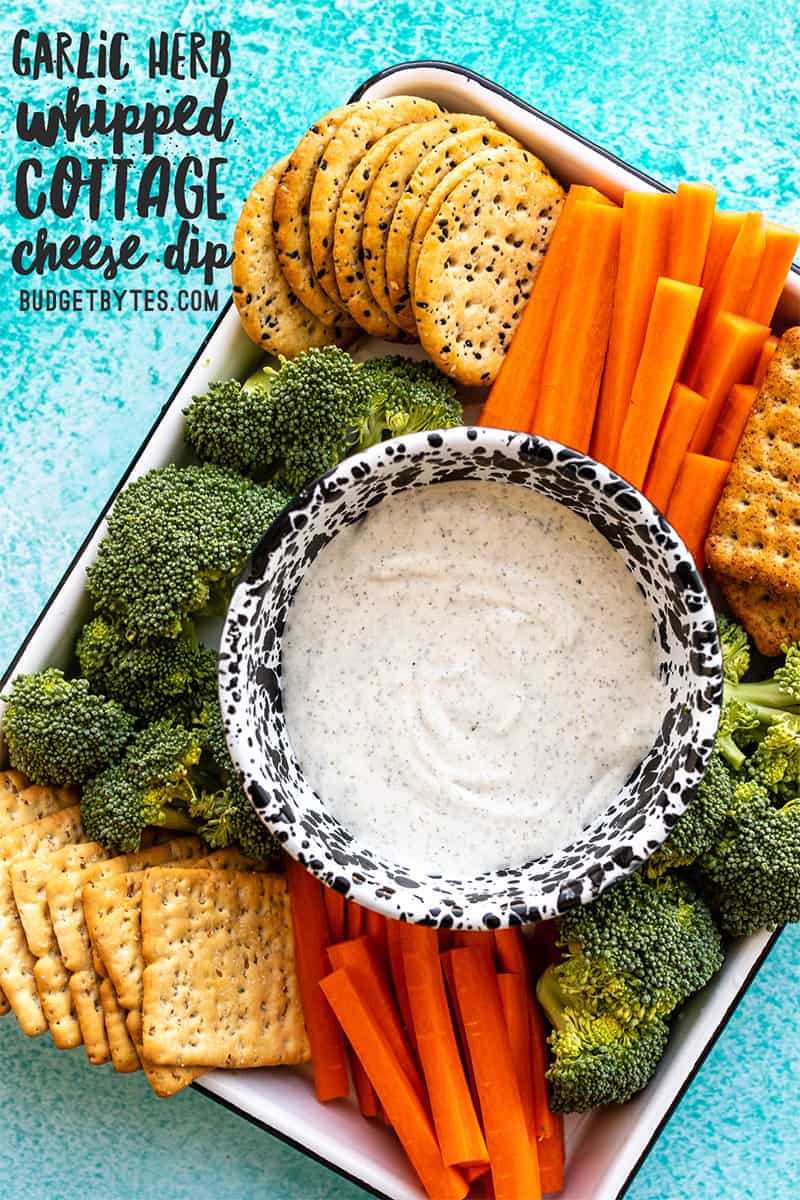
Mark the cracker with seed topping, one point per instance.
(755, 534)
(220, 986)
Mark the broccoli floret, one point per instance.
(178, 778)
(151, 785)
(658, 932)
(738, 722)
(176, 540)
(782, 691)
(735, 646)
(59, 732)
(317, 406)
(593, 988)
(406, 396)
(752, 875)
(164, 677)
(775, 762)
(231, 425)
(598, 1060)
(224, 813)
(701, 823)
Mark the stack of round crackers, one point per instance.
(398, 220)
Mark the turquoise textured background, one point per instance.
(701, 90)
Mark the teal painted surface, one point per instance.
(706, 90)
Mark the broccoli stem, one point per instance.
(733, 756)
(765, 695)
(551, 997)
(173, 818)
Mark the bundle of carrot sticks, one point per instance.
(442, 1036)
(645, 340)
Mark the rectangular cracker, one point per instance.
(29, 878)
(165, 1081)
(28, 882)
(220, 986)
(52, 984)
(22, 802)
(64, 900)
(113, 911)
(84, 992)
(771, 617)
(123, 1052)
(43, 836)
(755, 534)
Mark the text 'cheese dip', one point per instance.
(469, 676)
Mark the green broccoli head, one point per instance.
(232, 425)
(775, 762)
(220, 806)
(700, 824)
(177, 538)
(752, 874)
(593, 988)
(658, 932)
(735, 646)
(59, 732)
(163, 677)
(151, 785)
(317, 406)
(597, 1060)
(405, 396)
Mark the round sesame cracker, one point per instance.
(433, 167)
(270, 312)
(478, 263)
(292, 201)
(348, 253)
(351, 140)
(388, 187)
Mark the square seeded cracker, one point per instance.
(755, 534)
(220, 986)
(16, 961)
(64, 899)
(113, 910)
(772, 618)
(22, 802)
(29, 878)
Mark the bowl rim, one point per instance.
(295, 838)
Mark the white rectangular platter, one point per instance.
(604, 1148)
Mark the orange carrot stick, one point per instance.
(725, 229)
(514, 997)
(764, 359)
(734, 345)
(366, 1096)
(779, 250)
(515, 1171)
(681, 419)
(644, 240)
(512, 400)
(375, 927)
(399, 1100)
(544, 1119)
(730, 293)
(446, 960)
(551, 1158)
(732, 420)
(353, 920)
(311, 941)
(573, 364)
(669, 328)
(454, 1116)
(446, 939)
(394, 934)
(694, 498)
(693, 214)
(510, 949)
(360, 958)
(334, 908)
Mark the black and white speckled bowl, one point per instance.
(645, 808)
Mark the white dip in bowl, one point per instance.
(469, 676)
